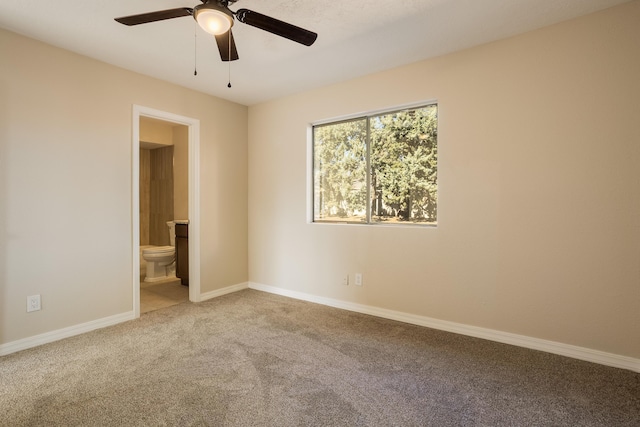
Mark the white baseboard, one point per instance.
(47, 337)
(582, 353)
(224, 291)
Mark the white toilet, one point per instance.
(161, 260)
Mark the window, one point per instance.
(377, 169)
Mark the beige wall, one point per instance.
(65, 185)
(539, 189)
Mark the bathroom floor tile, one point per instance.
(156, 295)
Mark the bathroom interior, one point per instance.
(164, 213)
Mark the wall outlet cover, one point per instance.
(358, 279)
(33, 303)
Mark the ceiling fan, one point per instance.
(215, 17)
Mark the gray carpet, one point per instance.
(255, 359)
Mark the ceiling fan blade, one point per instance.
(223, 46)
(160, 15)
(277, 27)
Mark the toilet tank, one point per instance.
(172, 232)
(172, 229)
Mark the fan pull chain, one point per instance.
(229, 85)
(195, 49)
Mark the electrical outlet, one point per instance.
(358, 279)
(33, 303)
(345, 280)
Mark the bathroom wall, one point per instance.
(161, 195)
(153, 131)
(164, 183)
(180, 172)
(145, 195)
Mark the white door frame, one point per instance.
(194, 199)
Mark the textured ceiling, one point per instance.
(356, 37)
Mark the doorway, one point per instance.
(193, 142)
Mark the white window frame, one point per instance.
(310, 163)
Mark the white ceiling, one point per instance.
(356, 37)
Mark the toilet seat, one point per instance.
(159, 250)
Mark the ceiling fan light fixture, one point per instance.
(213, 19)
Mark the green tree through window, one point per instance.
(381, 168)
